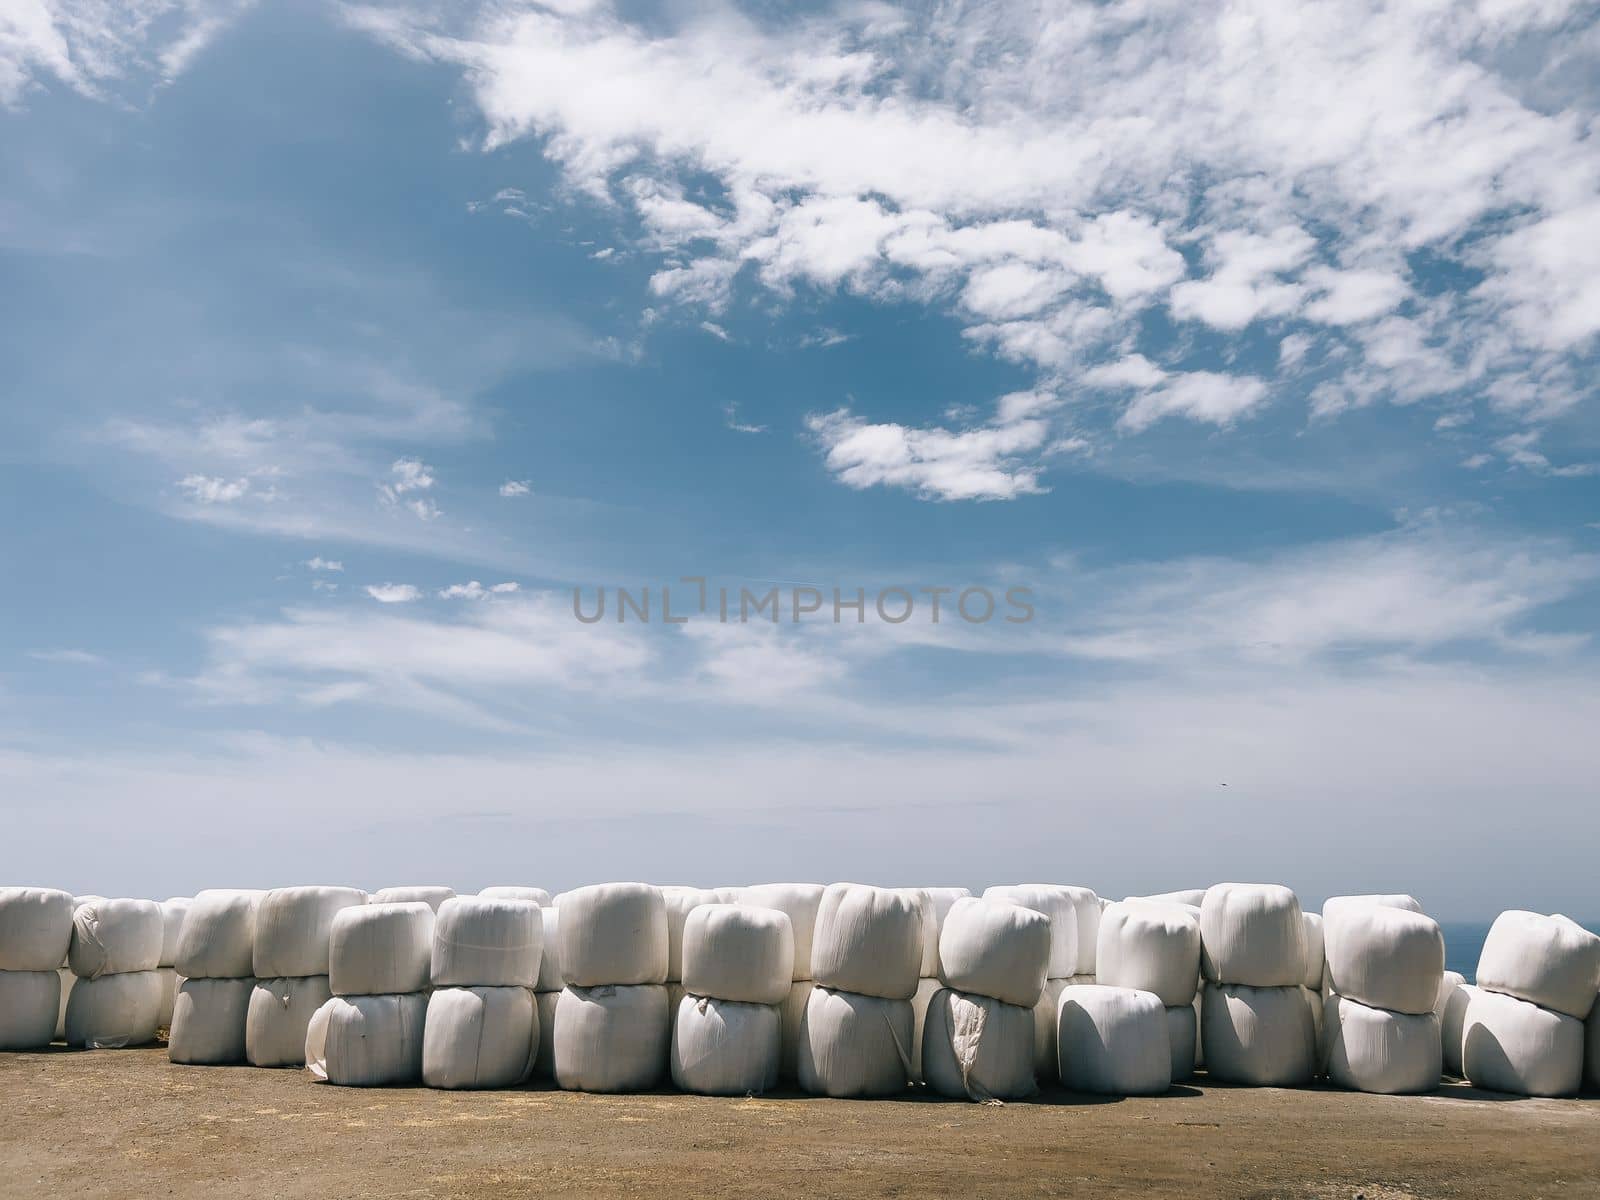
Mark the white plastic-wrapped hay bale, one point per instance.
(799, 902)
(1150, 947)
(35, 929)
(277, 1015)
(929, 925)
(1315, 1004)
(1263, 1036)
(487, 942)
(791, 1015)
(114, 937)
(1183, 1033)
(854, 1045)
(1514, 1045)
(1402, 900)
(1550, 961)
(680, 902)
(1453, 1026)
(1088, 908)
(479, 1037)
(218, 937)
(1045, 1032)
(1113, 1041)
(431, 894)
(927, 989)
(114, 1011)
(725, 1047)
(173, 910)
(293, 926)
(868, 941)
(613, 934)
(535, 895)
(381, 949)
(1592, 1047)
(1252, 934)
(1316, 951)
(611, 1038)
(67, 980)
(997, 949)
(549, 978)
(1384, 957)
(1376, 1050)
(738, 952)
(29, 1004)
(368, 1041)
(209, 1017)
(1190, 896)
(977, 1048)
(170, 979)
(544, 1052)
(1055, 902)
(940, 901)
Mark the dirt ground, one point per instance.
(128, 1123)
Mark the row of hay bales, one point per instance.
(847, 990)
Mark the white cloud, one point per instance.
(319, 563)
(393, 593)
(206, 489)
(515, 487)
(1204, 396)
(972, 464)
(1035, 171)
(92, 45)
(1410, 591)
(410, 475)
(81, 658)
(1349, 297)
(473, 590)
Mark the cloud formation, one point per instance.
(1396, 195)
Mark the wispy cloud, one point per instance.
(318, 563)
(512, 488)
(81, 658)
(393, 593)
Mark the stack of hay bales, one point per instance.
(116, 999)
(612, 1026)
(799, 902)
(370, 1033)
(933, 903)
(1384, 967)
(290, 962)
(1315, 978)
(173, 911)
(1055, 902)
(68, 979)
(216, 958)
(1113, 1041)
(856, 1032)
(726, 1035)
(1523, 1031)
(977, 1042)
(35, 936)
(482, 1028)
(547, 987)
(534, 895)
(1154, 946)
(1255, 1024)
(680, 902)
(431, 894)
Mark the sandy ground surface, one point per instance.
(128, 1123)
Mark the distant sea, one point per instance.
(1463, 942)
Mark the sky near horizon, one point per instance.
(1258, 343)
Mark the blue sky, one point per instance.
(1258, 343)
